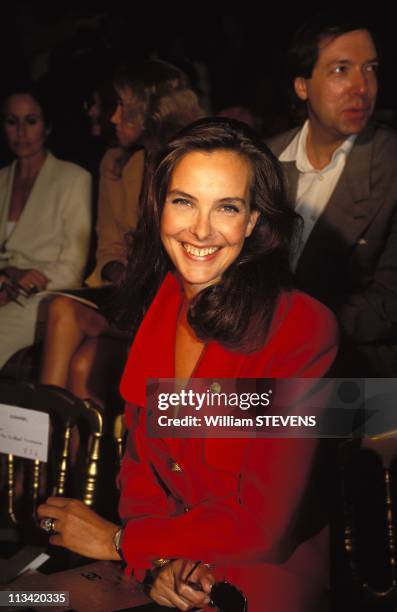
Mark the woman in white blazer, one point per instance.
(45, 222)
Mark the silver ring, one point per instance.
(48, 525)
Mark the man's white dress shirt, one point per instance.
(315, 187)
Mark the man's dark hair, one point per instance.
(303, 51)
(237, 311)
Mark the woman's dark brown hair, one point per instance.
(237, 311)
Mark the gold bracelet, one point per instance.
(161, 562)
(117, 542)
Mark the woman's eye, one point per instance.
(340, 69)
(10, 121)
(181, 202)
(32, 120)
(230, 209)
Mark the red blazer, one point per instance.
(232, 502)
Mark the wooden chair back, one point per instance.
(365, 577)
(26, 483)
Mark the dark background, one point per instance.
(75, 43)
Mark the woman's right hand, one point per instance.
(80, 529)
(171, 587)
(31, 280)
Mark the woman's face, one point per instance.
(127, 131)
(24, 126)
(207, 216)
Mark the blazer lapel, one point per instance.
(5, 189)
(350, 208)
(277, 145)
(291, 175)
(37, 197)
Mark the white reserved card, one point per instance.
(23, 432)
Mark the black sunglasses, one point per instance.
(227, 598)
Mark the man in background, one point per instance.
(341, 171)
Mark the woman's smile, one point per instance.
(200, 252)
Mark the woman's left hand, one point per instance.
(176, 587)
(80, 529)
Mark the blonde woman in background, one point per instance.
(154, 102)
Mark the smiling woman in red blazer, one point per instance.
(216, 301)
